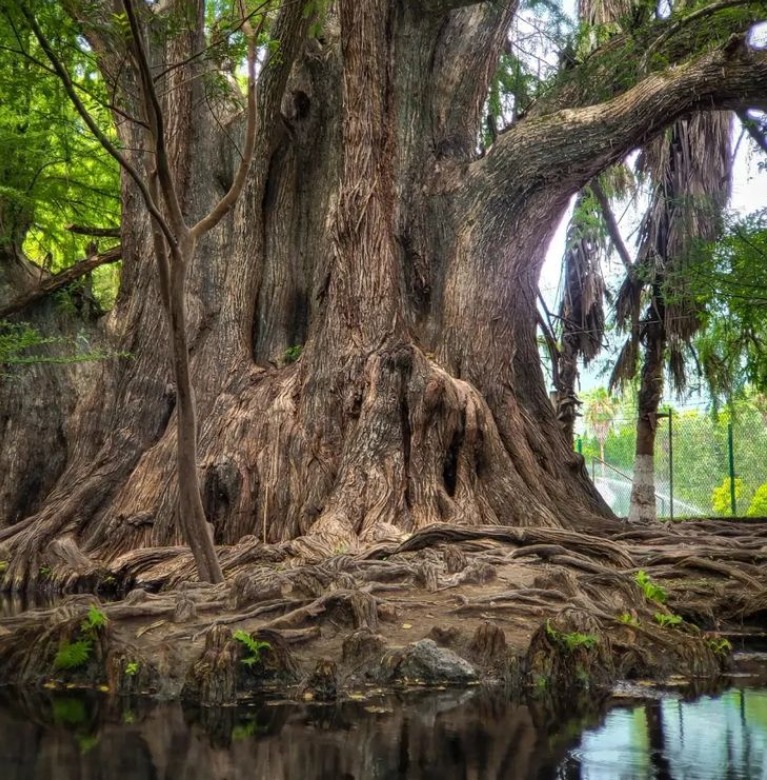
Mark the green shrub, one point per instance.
(72, 655)
(571, 641)
(721, 500)
(758, 505)
(664, 620)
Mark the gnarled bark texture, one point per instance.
(371, 235)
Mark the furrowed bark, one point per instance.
(371, 240)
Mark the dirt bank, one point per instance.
(555, 611)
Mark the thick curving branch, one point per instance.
(622, 61)
(564, 150)
(677, 25)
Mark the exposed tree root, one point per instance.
(575, 595)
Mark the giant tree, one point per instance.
(372, 234)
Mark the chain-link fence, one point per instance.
(704, 465)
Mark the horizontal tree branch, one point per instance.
(612, 68)
(677, 24)
(59, 280)
(98, 232)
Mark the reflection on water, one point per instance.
(444, 735)
(441, 736)
(712, 738)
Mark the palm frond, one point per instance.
(628, 302)
(625, 368)
(677, 366)
(581, 309)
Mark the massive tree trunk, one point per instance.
(371, 235)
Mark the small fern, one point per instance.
(94, 620)
(73, 654)
(667, 620)
(253, 646)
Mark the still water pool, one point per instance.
(469, 735)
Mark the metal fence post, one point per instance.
(731, 453)
(579, 445)
(670, 464)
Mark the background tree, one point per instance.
(581, 319)
(731, 344)
(601, 409)
(690, 173)
(688, 169)
(373, 233)
(52, 175)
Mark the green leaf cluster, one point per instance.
(664, 620)
(571, 641)
(72, 655)
(729, 277)
(758, 505)
(720, 645)
(651, 591)
(628, 619)
(56, 173)
(721, 496)
(23, 345)
(253, 646)
(291, 354)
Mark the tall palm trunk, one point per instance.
(690, 170)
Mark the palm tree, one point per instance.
(689, 171)
(601, 409)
